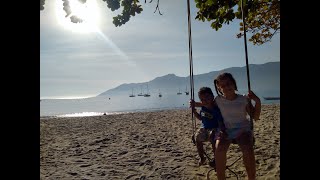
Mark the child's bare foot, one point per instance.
(202, 161)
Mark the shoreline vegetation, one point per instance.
(145, 145)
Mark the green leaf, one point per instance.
(209, 2)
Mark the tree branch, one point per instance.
(157, 7)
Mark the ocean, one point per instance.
(99, 105)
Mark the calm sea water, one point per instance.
(121, 103)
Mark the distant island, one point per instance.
(264, 80)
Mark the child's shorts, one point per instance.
(204, 135)
(235, 133)
(238, 135)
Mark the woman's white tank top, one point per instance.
(234, 111)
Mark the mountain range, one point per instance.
(263, 78)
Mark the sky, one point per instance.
(78, 62)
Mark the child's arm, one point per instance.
(196, 114)
(195, 104)
(255, 110)
(194, 110)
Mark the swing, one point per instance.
(211, 161)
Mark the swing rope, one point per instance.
(191, 72)
(192, 81)
(211, 163)
(247, 61)
(249, 88)
(245, 45)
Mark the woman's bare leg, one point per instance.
(221, 158)
(246, 146)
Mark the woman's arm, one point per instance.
(254, 111)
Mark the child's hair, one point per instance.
(204, 90)
(221, 77)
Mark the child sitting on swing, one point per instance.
(210, 117)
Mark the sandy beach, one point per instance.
(145, 145)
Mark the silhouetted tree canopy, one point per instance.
(262, 17)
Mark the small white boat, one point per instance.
(187, 92)
(132, 95)
(147, 94)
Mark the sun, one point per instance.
(88, 12)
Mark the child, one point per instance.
(235, 109)
(210, 117)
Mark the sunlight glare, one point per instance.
(88, 12)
